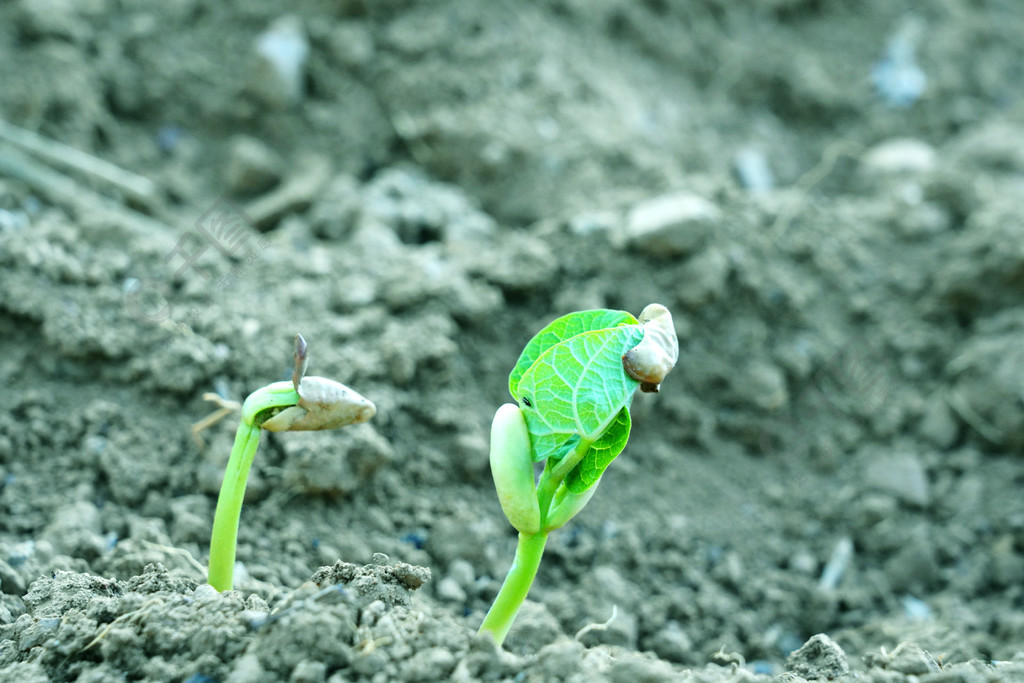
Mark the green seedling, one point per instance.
(573, 384)
(303, 404)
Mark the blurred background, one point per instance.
(824, 193)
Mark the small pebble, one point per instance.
(900, 156)
(897, 77)
(763, 385)
(462, 573)
(672, 643)
(278, 72)
(819, 657)
(11, 581)
(912, 660)
(837, 564)
(753, 171)
(916, 610)
(592, 223)
(901, 474)
(671, 225)
(448, 590)
(20, 553)
(803, 562)
(252, 166)
(938, 424)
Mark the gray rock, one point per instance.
(914, 567)
(75, 530)
(334, 213)
(910, 659)
(518, 262)
(449, 590)
(901, 474)
(11, 582)
(672, 643)
(819, 658)
(252, 166)
(671, 225)
(462, 573)
(938, 424)
(762, 385)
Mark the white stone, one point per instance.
(281, 53)
(670, 225)
(900, 156)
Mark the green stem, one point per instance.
(554, 473)
(517, 584)
(232, 490)
(229, 507)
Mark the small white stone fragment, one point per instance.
(752, 170)
(900, 156)
(837, 564)
(281, 53)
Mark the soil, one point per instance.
(824, 193)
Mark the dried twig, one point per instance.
(64, 191)
(138, 188)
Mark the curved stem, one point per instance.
(229, 507)
(517, 584)
(554, 473)
(274, 395)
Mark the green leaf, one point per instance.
(561, 329)
(576, 386)
(589, 470)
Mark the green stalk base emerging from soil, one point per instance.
(517, 584)
(229, 508)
